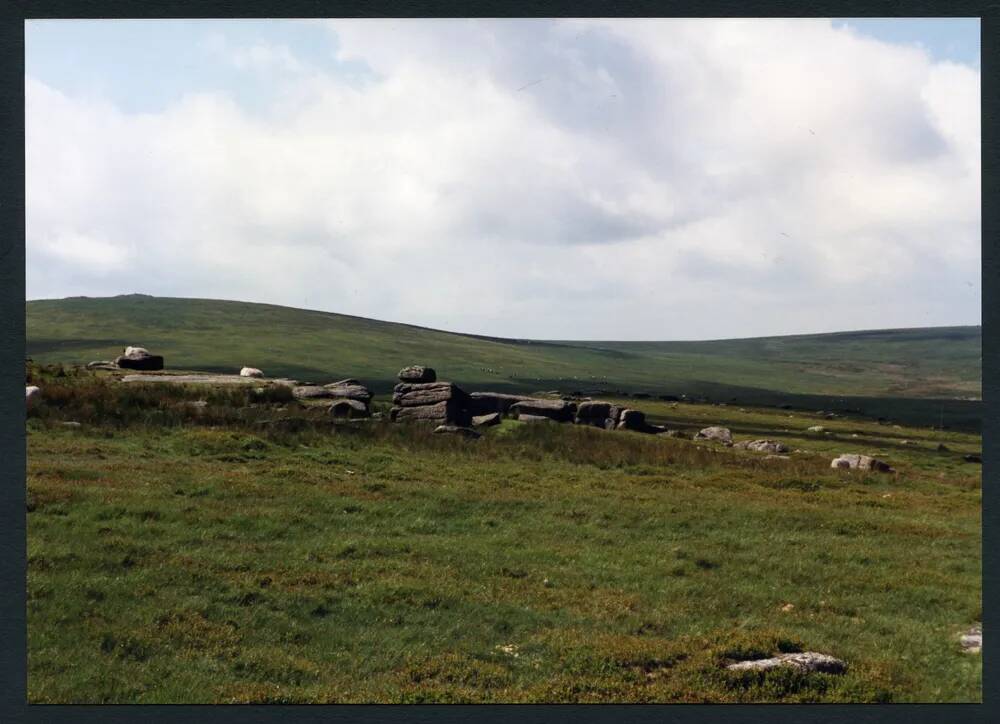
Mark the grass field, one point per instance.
(253, 551)
(911, 375)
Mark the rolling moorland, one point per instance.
(192, 543)
(918, 376)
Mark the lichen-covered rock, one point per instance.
(534, 418)
(311, 392)
(861, 462)
(348, 408)
(806, 661)
(251, 372)
(632, 420)
(446, 412)
(597, 413)
(972, 640)
(417, 373)
(719, 434)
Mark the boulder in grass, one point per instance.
(765, 446)
(534, 418)
(973, 458)
(457, 430)
(972, 640)
(102, 365)
(806, 661)
(676, 433)
(417, 373)
(32, 396)
(861, 462)
(488, 420)
(632, 420)
(719, 434)
(347, 408)
(556, 410)
(311, 392)
(139, 358)
(597, 413)
(816, 428)
(251, 372)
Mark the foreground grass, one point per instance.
(185, 562)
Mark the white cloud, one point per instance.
(560, 179)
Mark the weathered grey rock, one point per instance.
(777, 457)
(597, 413)
(457, 430)
(632, 420)
(816, 428)
(557, 410)
(447, 412)
(534, 418)
(350, 390)
(200, 379)
(102, 365)
(251, 372)
(411, 395)
(861, 462)
(136, 352)
(719, 434)
(348, 408)
(805, 661)
(766, 446)
(488, 420)
(71, 423)
(417, 373)
(312, 392)
(32, 396)
(481, 403)
(972, 640)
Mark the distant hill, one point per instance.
(919, 364)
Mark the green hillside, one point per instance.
(909, 366)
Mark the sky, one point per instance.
(549, 179)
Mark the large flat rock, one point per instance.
(196, 379)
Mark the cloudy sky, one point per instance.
(594, 179)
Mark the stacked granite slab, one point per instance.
(419, 397)
(598, 414)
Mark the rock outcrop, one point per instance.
(251, 372)
(632, 420)
(350, 389)
(482, 403)
(598, 414)
(557, 410)
(346, 408)
(442, 403)
(861, 462)
(488, 420)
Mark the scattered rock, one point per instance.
(972, 458)
(348, 408)
(677, 433)
(632, 420)
(805, 661)
(816, 428)
(861, 462)
(457, 430)
(972, 640)
(312, 392)
(767, 446)
(251, 372)
(32, 396)
(777, 457)
(139, 358)
(720, 434)
(788, 607)
(70, 423)
(417, 373)
(488, 420)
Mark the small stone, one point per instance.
(457, 430)
(805, 661)
(788, 607)
(972, 640)
(816, 428)
(489, 420)
(251, 372)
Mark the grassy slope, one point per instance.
(219, 335)
(177, 562)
